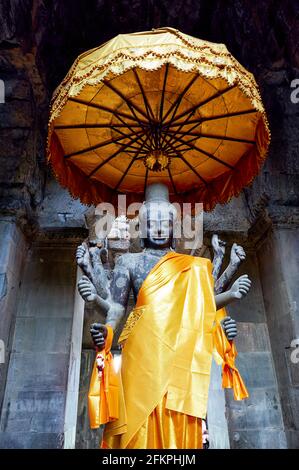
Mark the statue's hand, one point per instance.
(240, 287)
(87, 290)
(83, 257)
(230, 327)
(218, 245)
(237, 254)
(98, 333)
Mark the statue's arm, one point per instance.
(218, 251)
(120, 289)
(237, 255)
(116, 304)
(238, 290)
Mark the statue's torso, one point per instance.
(140, 265)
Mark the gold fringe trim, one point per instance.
(130, 323)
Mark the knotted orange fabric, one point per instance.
(227, 351)
(103, 391)
(166, 359)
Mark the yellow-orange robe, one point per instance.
(168, 345)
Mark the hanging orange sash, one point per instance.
(103, 391)
(227, 351)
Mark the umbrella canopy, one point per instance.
(157, 106)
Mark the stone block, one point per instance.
(257, 370)
(26, 440)
(292, 438)
(86, 438)
(45, 302)
(258, 439)
(33, 412)
(260, 411)
(252, 337)
(46, 334)
(36, 372)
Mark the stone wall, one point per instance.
(34, 407)
(278, 263)
(12, 253)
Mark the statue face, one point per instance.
(159, 226)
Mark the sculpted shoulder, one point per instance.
(128, 260)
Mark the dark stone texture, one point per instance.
(252, 337)
(36, 372)
(26, 440)
(33, 412)
(260, 411)
(257, 369)
(259, 439)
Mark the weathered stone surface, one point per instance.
(278, 257)
(257, 369)
(260, 411)
(38, 335)
(39, 366)
(26, 440)
(12, 254)
(259, 439)
(252, 337)
(30, 411)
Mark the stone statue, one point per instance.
(110, 294)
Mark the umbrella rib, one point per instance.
(193, 169)
(182, 125)
(189, 165)
(102, 144)
(127, 169)
(163, 92)
(94, 126)
(135, 133)
(149, 112)
(108, 110)
(218, 116)
(98, 167)
(221, 116)
(176, 106)
(129, 127)
(179, 99)
(130, 105)
(145, 181)
(172, 182)
(218, 137)
(200, 150)
(191, 110)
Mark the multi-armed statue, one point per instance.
(160, 285)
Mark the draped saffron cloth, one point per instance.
(169, 340)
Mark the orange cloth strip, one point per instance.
(103, 392)
(227, 351)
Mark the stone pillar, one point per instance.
(255, 423)
(34, 407)
(72, 397)
(278, 258)
(12, 252)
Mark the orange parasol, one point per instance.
(157, 106)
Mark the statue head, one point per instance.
(157, 218)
